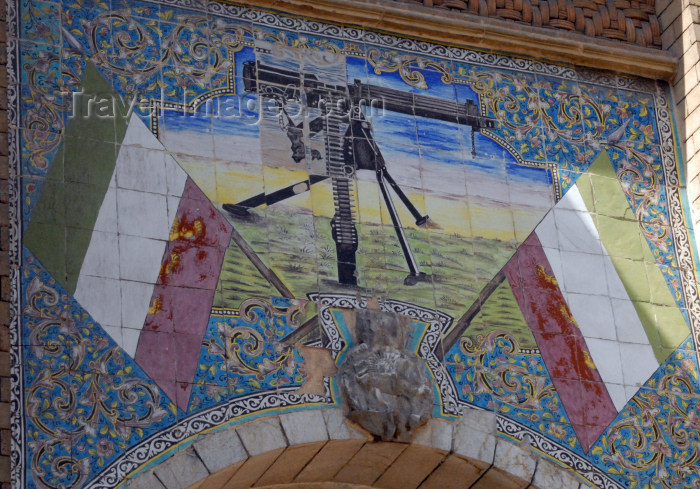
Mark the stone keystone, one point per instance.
(385, 386)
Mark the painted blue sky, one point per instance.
(399, 136)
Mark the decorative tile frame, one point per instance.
(661, 191)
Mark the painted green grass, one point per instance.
(501, 312)
(300, 250)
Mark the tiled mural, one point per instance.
(201, 190)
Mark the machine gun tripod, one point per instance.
(355, 149)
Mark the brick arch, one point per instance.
(316, 485)
(319, 449)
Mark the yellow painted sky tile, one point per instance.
(234, 183)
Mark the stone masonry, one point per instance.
(315, 446)
(680, 21)
(385, 386)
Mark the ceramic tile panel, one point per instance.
(195, 183)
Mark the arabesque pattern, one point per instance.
(192, 220)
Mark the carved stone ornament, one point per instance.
(386, 386)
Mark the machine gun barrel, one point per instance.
(466, 113)
(257, 75)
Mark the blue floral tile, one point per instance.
(642, 112)
(38, 151)
(562, 106)
(72, 70)
(133, 64)
(211, 382)
(138, 8)
(205, 395)
(40, 22)
(241, 353)
(40, 66)
(292, 372)
(306, 40)
(75, 41)
(489, 374)
(192, 65)
(44, 111)
(652, 437)
(100, 400)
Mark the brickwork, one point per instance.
(452, 22)
(623, 20)
(5, 440)
(680, 21)
(316, 447)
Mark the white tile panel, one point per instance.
(596, 297)
(131, 232)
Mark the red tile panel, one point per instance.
(170, 343)
(563, 347)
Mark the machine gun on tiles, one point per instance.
(349, 146)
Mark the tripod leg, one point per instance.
(381, 168)
(403, 241)
(420, 220)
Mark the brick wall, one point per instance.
(4, 265)
(680, 21)
(632, 21)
